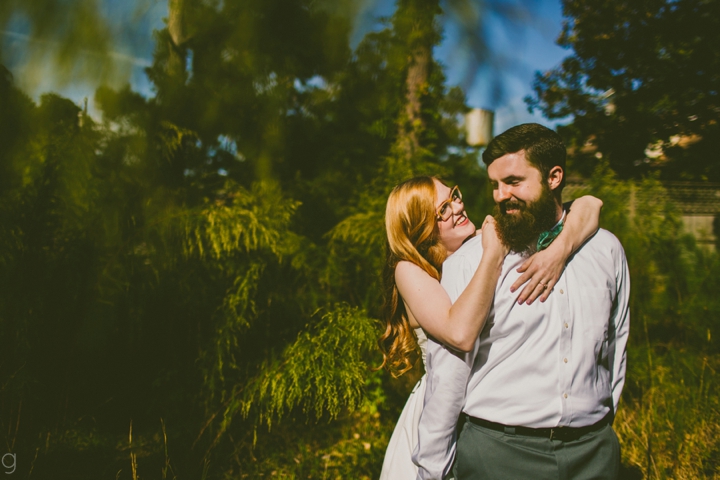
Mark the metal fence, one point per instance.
(698, 202)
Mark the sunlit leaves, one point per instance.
(243, 221)
(321, 373)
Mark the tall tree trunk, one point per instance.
(176, 28)
(412, 124)
(414, 24)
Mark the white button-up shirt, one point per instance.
(557, 363)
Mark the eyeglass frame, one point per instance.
(455, 197)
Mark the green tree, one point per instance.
(71, 40)
(211, 256)
(642, 74)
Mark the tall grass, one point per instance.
(669, 416)
(669, 422)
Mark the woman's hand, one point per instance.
(490, 241)
(458, 324)
(541, 272)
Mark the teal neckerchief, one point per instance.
(546, 238)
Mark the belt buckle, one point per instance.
(552, 433)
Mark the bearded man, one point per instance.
(536, 397)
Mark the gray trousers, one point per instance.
(485, 454)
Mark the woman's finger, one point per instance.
(538, 291)
(546, 293)
(525, 265)
(527, 274)
(522, 279)
(529, 291)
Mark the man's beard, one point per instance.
(520, 231)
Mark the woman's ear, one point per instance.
(555, 177)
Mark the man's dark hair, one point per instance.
(544, 148)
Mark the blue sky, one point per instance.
(516, 51)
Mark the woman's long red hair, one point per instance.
(413, 236)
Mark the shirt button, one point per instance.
(565, 360)
(561, 291)
(567, 326)
(564, 395)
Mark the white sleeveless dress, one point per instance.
(398, 464)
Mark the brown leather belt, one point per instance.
(565, 434)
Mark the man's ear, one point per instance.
(555, 177)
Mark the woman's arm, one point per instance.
(455, 325)
(542, 270)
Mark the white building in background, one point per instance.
(479, 127)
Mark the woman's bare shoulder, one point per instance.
(405, 268)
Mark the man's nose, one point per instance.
(502, 192)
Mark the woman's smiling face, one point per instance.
(458, 227)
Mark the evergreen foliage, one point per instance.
(323, 371)
(211, 256)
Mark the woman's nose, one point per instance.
(457, 207)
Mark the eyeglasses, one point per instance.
(445, 210)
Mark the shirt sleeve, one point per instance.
(447, 376)
(619, 325)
